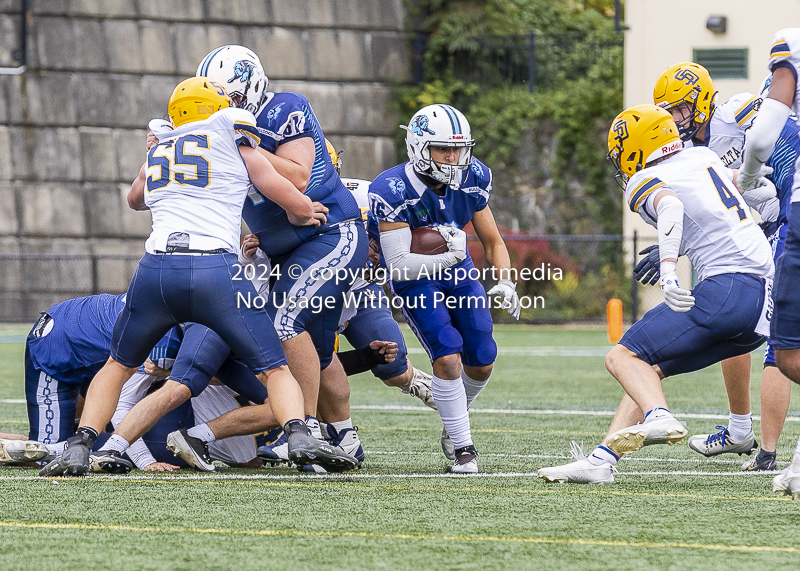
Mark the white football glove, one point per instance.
(763, 191)
(676, 298)
(456, 240)
(746, 181)
(507, 289)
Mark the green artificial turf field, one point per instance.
(669, 507)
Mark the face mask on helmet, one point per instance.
(439, 126)
(239, 70)
(687, 91)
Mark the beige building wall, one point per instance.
(661, 34)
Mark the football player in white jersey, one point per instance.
(687, 91)
(688, 195)
(197, 180)
(782, 99)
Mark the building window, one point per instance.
(723, 63)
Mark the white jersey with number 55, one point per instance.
(197, 182)
(719, 235)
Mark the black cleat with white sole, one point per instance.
(193, 450)
(109, 462)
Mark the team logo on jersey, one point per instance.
(243, 71)
(687, 76)
(397, 185)
(420, 125)
(620, 129)
(476, 168)
(272, 114)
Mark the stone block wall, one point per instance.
(72, 126)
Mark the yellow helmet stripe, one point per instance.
(643, 191)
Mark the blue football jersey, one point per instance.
(79, 339)
(398, 195)
(288, 117)
(782, 161)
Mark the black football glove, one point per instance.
(648, 270)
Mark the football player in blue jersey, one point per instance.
(67, 346)
(443, 186)
(293, 141)
(687, 91)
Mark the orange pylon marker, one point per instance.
(614, 315)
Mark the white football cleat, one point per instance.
(787, 483)
(466, 461)
(581, 471)
(720, 443)
(22, 451)
(665, 430)
(420, 386)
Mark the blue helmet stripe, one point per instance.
(453, 119)
(207, 61)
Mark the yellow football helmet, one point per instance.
(638, 136)
(337, 162)
(688, 83)
(195, 99)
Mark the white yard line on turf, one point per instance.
(542, 412)
(554, 412)
(563, 457)
(348, 476)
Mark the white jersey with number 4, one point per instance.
(197, 182)
(719, 235)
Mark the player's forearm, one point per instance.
(670, 231)
(136, 194)
(498, 258)
(403, 264)
(140, 454)
(764, 133)
(294, 172)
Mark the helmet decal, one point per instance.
(687, 76)
(420, 125)
(243, 71)
(620, 129)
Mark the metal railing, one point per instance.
(535, 60)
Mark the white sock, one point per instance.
(657, 413)
(472, 387)
(342, 424)
(602, 455)
(739, 426)
(116, 442)
(203, 432)
(56, 449)
(451, 400)
(313, 426)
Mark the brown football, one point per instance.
(427, 240)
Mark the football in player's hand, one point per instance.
(427, 240)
